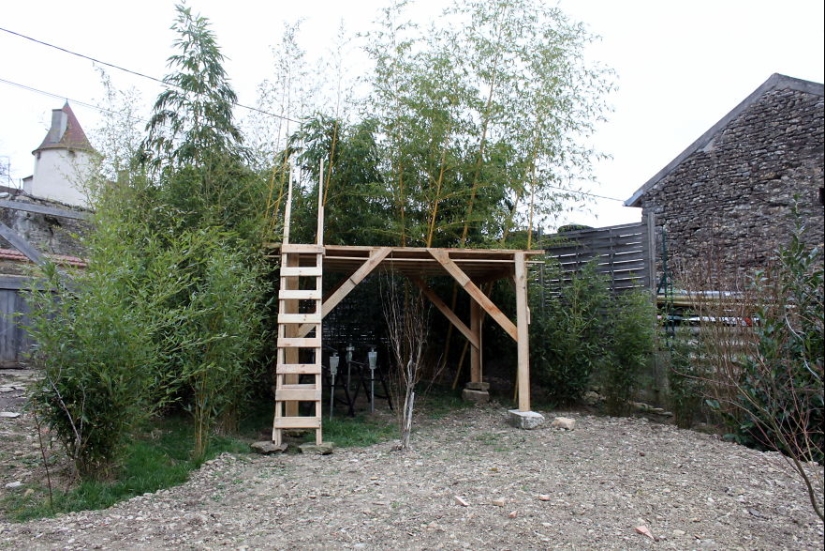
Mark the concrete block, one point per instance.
(565, 423)
(526, 420)
(477, 396)
(478, 386)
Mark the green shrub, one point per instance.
(567, 333)
(631, 336)
(781, 385)
(686, 379)
(220, 334)
(97, 350)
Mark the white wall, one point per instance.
(60, 175)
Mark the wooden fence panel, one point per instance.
(622, 253)
(14, 339)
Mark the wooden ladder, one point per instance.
(299, 340)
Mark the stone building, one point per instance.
(62, 162)
(42, 221)
(726, 202)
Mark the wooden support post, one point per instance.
(476, 317)
(523, 341)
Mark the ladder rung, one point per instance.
(295, 342)
(299, 294)
(299, 318)
(297, 395)
(298, 369)
(297, 423)
(292, 271)
(301, 248)
(299, 386)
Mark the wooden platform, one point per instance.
(470, 268)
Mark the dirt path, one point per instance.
(589, 488)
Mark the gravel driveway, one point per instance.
(470, 482)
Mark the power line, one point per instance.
(587, 194)
(131, 72)
(58, 96)
(167, 85)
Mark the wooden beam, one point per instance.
(17, 283)
(449, 314)
(377, 255)
(523, 340)
(443, 257)
(21, 245)
(40, 209)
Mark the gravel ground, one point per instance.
(470, 482)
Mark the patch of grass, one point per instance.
(439, 401)
(359, 431)
(493, 440)
(159, 459)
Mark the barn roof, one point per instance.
(775, 82)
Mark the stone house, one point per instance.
(727, 201)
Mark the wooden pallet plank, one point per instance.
(299, 369)
(297, 423)
(299, 294)
(289, 395)
(300, 386)
(299, 318)
(300, 271)
(296, 342)
(289, 248)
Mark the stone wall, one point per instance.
(52, 235)
(728, 206)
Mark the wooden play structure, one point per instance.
(302, 308)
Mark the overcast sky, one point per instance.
(681, 65)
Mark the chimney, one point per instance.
(59, 123)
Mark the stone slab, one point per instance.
(565, 423)
(324, 449)
(478, 386)
(526, 420)
(267, 447)
(477, 396)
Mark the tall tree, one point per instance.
(209, 206)
(194, 114)
(490, 139)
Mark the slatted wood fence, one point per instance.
(623, 253)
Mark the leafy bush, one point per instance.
(631, 334)
(580, 334)
(568, 334)
(781, 384)
(220, 334)
(97, 344)
(686, 378)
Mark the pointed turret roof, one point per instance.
(65, 132)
